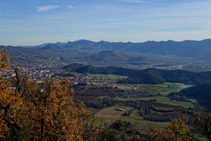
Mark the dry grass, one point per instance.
(110, 113)
(140, 122)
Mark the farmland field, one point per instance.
(163, 89)
(104, 76)
(186, 104)
(125, 86)
(110, 114)
(123, 99)
(140, 122)
(193, 100)
(86, 94)
(160, 99)
(101, 97)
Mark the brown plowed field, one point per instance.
(122, 77)
(110, 113)
(90, 94)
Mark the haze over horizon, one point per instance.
(27, 22)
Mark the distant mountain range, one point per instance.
(188, 48)
(116, 53)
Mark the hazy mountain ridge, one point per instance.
(188, 48)
(19, 55)
(191, 53)
(106, 56)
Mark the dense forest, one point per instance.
(201, 93)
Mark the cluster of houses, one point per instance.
(86, 80)
(34, 73)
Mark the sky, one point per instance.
(34, 22)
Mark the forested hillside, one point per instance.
(191, 55)
(19, 55)
(198, 91)
(147, 76)
(188, 48)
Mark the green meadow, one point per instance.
(162, 100)
(104, 76)
(163, 89)
(186, 104)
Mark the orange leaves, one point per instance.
(48, 110)
(10, 101)
(202, 123)
(9, 96)
(52, 113)
(3, 128)
(178, 130)
(9, 105)
(185, 127)
(4, 59)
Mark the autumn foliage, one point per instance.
(47, 110)
(9, 103)
(51, 110)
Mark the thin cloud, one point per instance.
(70, 6)
(46, 8)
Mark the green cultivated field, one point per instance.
(193, 100)
(160, 99)
(104, 76)
(163, 89)
(110, 114)
(186, 104)
(123, 99)
(101, 97)
(95, 120)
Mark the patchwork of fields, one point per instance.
(157, 104)
(163, 89)
(162, 100)
(110, 114)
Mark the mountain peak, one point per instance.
(50, 46)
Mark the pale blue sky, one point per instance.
(33, 22)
